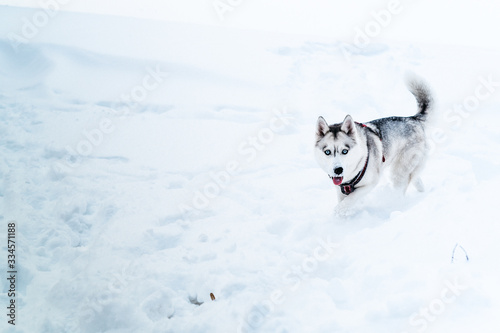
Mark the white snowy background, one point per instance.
(152, 154)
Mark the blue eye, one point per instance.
(327, 152)
(344, 151)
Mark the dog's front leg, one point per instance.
(346, 203)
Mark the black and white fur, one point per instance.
(395, 143)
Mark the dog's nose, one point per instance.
(338, 170)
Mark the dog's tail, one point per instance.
(422, 94)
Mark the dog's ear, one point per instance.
(348, 126)
(321, 127)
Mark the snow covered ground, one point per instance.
(148, 164)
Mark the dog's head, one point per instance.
(337, 149)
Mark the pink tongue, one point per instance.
(337, 180)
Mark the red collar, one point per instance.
(348, 188)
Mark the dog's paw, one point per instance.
(419, 185)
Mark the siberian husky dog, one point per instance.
(354, 154)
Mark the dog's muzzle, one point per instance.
(337, 178)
